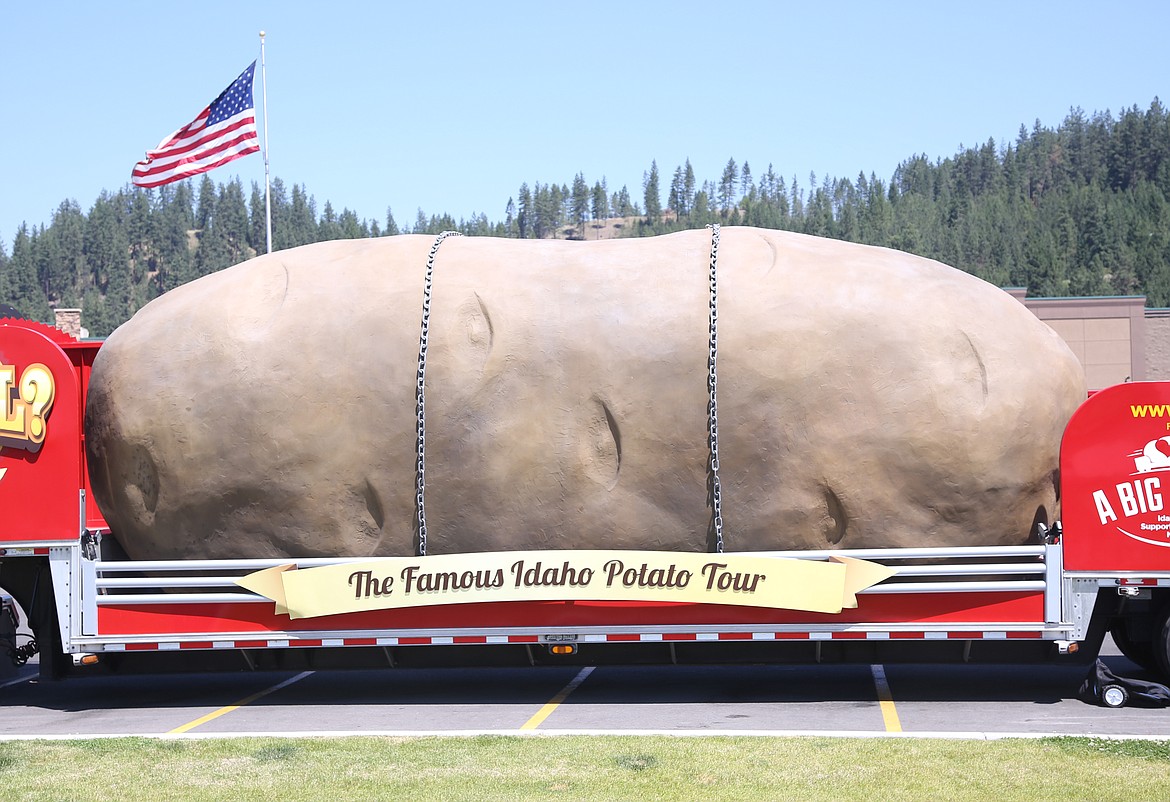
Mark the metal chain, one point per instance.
(420, 398)
(712, 386)
(712, 401)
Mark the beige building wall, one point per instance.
(1102, 344)
(1108, 335)
(1158, 344)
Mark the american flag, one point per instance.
(222, 132)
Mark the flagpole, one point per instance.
(267, 187)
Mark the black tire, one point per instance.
(1137, 651)
(1161, 644)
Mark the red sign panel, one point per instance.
(1115, 480)
(40, 438)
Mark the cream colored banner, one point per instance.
(656, 576)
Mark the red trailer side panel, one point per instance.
(920, 608)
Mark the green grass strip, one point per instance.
(584, 768)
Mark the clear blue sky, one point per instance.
(449, 106)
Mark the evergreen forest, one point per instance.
(1082, 209)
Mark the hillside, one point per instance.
(1080, 209)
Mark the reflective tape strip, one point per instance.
(613, 637)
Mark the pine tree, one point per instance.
(651, 195)
(205, 209)
(302, 218)
(544, 211)
(4, 294)
(727, 183)
(688, 187)
(512, 229)
(524, 212)
(257, 221)
(107, 257)
(329, 228)
(559, 203)
(579, 204)
(65, 268)
(25, 292)
(620, 204)
(701, 215)
(674, 199)
(231, 220)
(600, 206)
(281, 216)
(175, 260)
(351, 227)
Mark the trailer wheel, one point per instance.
(1114, 696)
(1161, 644)
(1137, 651)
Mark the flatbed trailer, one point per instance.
(1104, 567)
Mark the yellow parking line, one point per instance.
(223, 711)
(889, 712)
(556, 701)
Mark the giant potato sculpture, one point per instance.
(866, 398)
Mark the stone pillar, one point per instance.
(69, 321)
